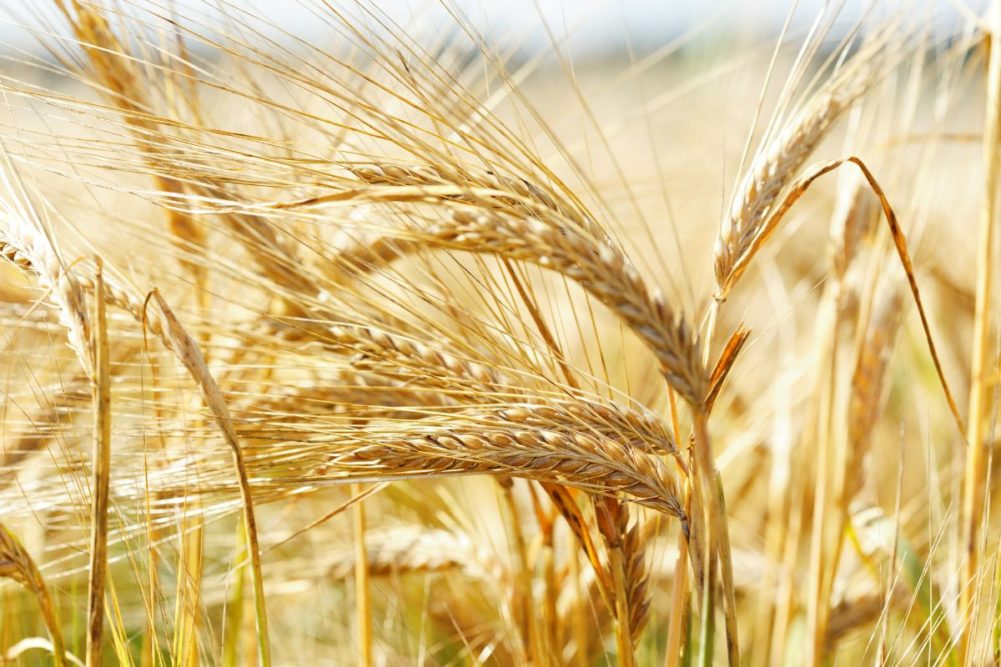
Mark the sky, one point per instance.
(595, 25)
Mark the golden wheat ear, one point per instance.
(17, 564)
(777, 164)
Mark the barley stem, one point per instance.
(102, 476)
(363, 605)
(977, 433)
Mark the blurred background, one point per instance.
(588, 28)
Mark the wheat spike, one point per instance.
(780, 160)
(599, 268)
(17, 564)
(505, 441)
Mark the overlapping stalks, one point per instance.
(370, 296)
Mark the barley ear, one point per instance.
(16, 564)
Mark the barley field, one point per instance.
(421, 339)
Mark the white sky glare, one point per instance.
(594, 25)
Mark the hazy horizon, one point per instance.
(584, 28)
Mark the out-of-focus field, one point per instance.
(437, 328)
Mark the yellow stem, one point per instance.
(363, 608)
(977, 454)
(623, 637)
(102, 478)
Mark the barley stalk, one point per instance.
(522, 597)
(598, 268)
(102, 477)
(116, 70)
(363, 604)
(625, 543)
(28, 246)
(420, 358)
(188, 353)
(501, 441)
(319, 166)
(974, 484)
(595, 264)
(480, 187)
(868, 380)
(777, 164)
